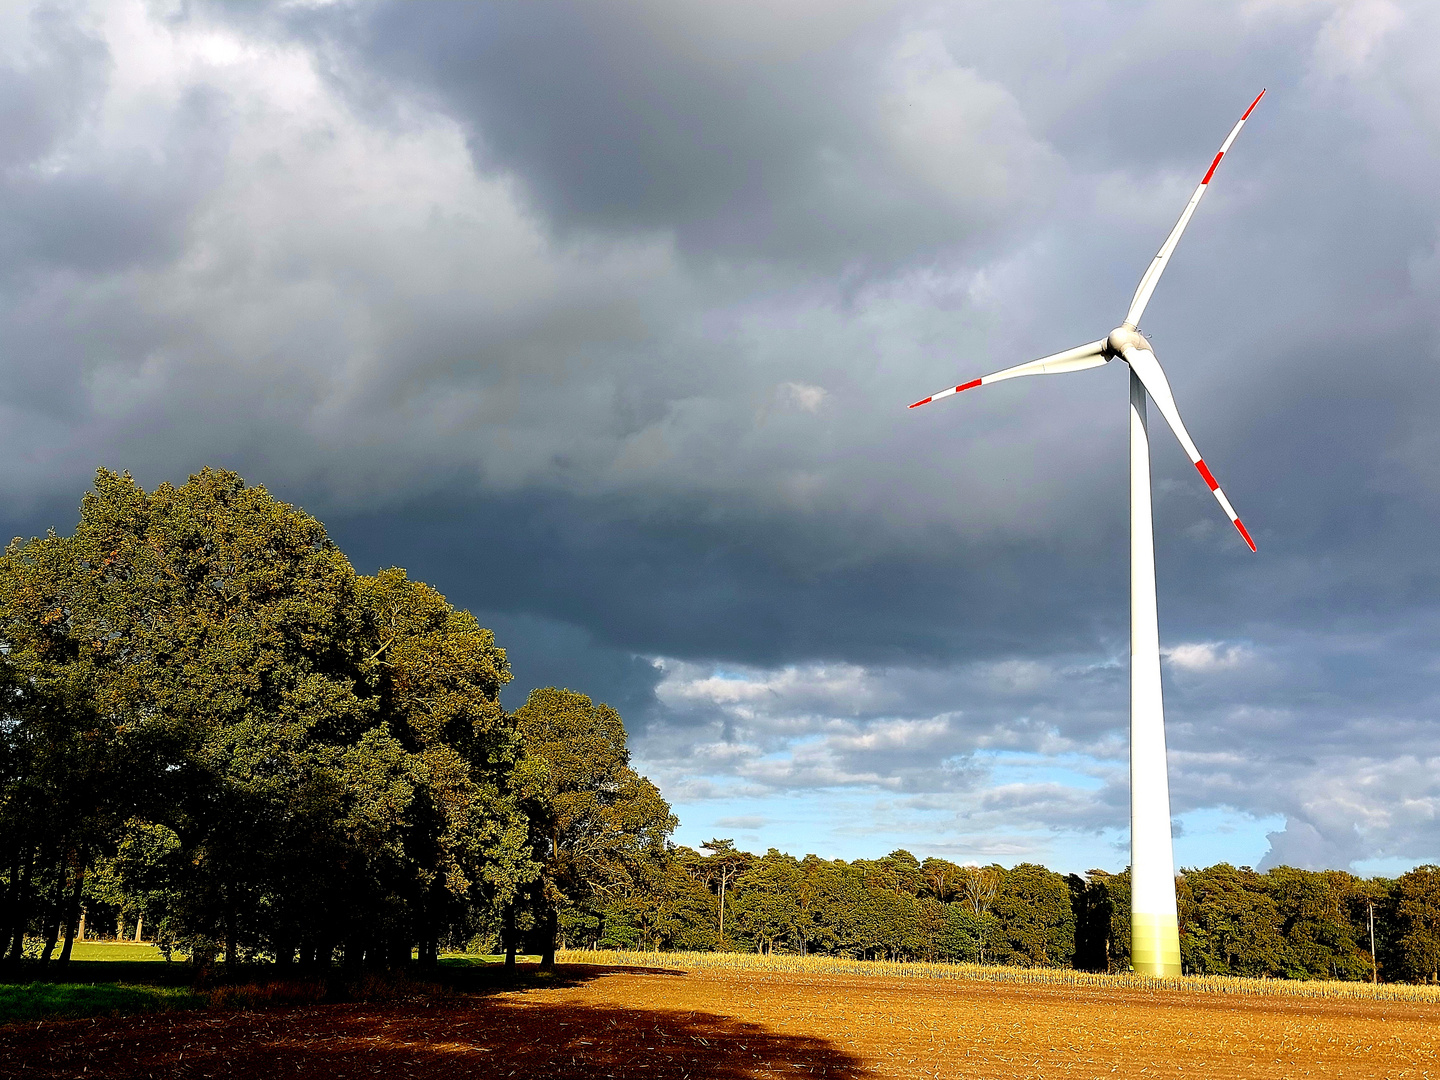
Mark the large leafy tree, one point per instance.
(72, 763)
(1036, 917)
(595, 823)
(437, 675)
(1316, 920)
(1102, 920)
(231, 625)
(767, 909)
(722, 867)
(327, 751)
(1417, 915)
(1230, 924)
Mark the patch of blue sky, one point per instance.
(1216, 834)
(850, 823)
(1387, 866)
(1071, 770)
(730, 676)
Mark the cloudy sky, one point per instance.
(603, 318)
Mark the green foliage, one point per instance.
(1102, 920)
(596, 827)
(1036, 917)
(1230, 924)
(963, 937)
(767, 911)
(1416, 907)
(254, 747)
(1316, 912)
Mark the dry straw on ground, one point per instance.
(830, 965)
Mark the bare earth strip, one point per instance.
(609, 1022)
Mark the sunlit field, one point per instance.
(676, 1017)
(829, 965)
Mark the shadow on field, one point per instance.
(131, 972)
(451, 1037)
(477, 978)
(122, 987)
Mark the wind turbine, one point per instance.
(1154, 928)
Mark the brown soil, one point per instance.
(625, 1023)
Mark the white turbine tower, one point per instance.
(1155, 935)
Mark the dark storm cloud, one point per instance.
(743, 130)
(758, 591)
(602, 318)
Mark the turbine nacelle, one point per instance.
(1125, 337)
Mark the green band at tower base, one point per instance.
(1154, 944)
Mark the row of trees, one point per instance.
(211, 723)
(1285, 923)
(209, 720)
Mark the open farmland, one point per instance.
(608, 1021)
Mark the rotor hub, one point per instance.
(1125, 337)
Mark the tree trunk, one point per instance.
(20, 910)
(52, 935)
(508, 929)
(285, 953)
(399, 951)
(140, 930)
(354, 956)
(12, 901)
(547, 952)
(74, 915)
(231, 951)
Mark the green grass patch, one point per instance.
(115, 950)
(464, 960)
(21, 1002)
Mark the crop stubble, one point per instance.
(608, 1022)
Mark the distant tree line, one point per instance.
(1285, 923)
(213, 731)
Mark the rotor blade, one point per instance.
(1144, 364)
(1152, 274)
(1076, 359)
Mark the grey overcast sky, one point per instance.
(603, 319)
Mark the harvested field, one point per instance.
(1031, 976)
(617, 1022)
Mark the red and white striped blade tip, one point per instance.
(1214, 486)
(1216, 163)
(945, 393)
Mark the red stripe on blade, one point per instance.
(969, 385)
(1212, 168)
(1205, 472)
(922, 401)
(1252, 106)
(1241, 526)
